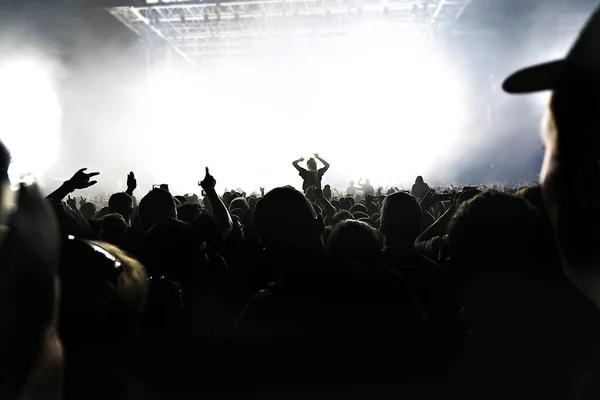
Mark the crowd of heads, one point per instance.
(459, 292)
(271, 278)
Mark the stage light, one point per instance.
(384, 82)
(30, 115)
(380, 105)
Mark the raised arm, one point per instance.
(219, 211)
(438, 228)
(131, 183)
(295, 164)
(80, 180)
(325, 204)
(131, 186)
(325, 163)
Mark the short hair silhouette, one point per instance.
(158, 205)
(285, 217)
(401, 217)
(354, 241)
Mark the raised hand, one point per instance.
(209, 182)
(131, 182)
(428, 200)
(301, 159)
(316, 155)
(81, 201)
(81, 180)
(72, 203)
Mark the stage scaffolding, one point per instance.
(203, 32)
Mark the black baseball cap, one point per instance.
(583, 60)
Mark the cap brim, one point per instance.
(535, 79)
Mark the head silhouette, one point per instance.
(346, 203)
(340, 216)
(570, 173)
(252, 202)
(239, 202)
(103, 211)
(311, 164)
(495, 229)
(103, 294)
(359, 207)
(327, 192)
(570, 176)
(354, 241)
(88, 210)
(171, 249)
(401, 219)
(188, 211)
(285, 218)
(114, 229)
(121, 203)
(158, 205)
(103, 301)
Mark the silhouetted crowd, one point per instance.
(287, 292)
(460, 293)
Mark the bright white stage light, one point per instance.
(30, 115)
(400, 107)
(377, 105)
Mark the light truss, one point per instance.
(201, 31)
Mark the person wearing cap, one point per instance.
(549, 347)
(570, 174)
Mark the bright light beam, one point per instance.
(30, 115)
(379, 105)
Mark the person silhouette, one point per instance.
(570, 175)
(312, 176)
(366, 187)
(557, 314)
